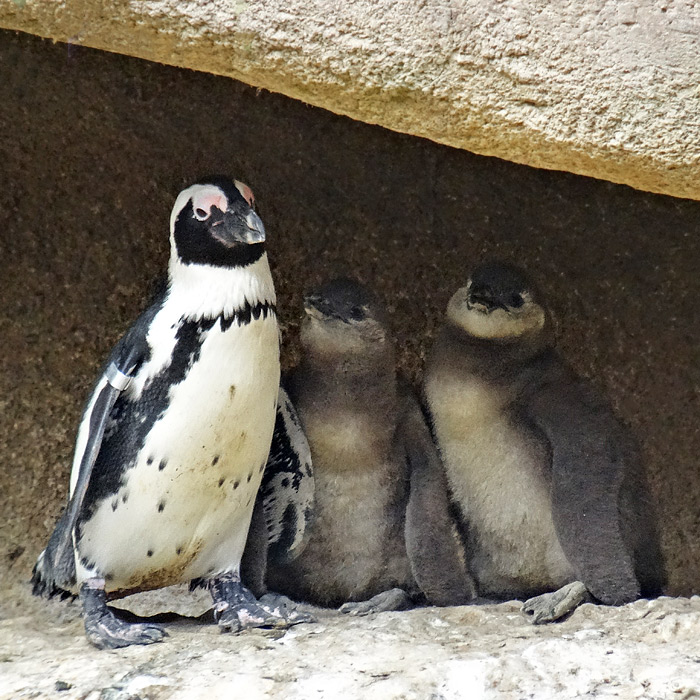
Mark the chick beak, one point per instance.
(315, 307)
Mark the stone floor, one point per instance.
(649, 649)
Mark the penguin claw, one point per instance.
(237, 609)
(393, 599)
(246, 616)
(254, 614)
(549, 607)
(287, 608)
(105, 630)
(109, 632)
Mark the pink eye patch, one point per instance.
(202, 202)
(245, 191)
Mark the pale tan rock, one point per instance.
(605, 88)
(647, 649)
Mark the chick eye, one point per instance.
(357, 313)
(201, 214)
(516, 301)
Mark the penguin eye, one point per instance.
(201, 214)
(357, 313)
(516, 301)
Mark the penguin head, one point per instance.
(213, 222)
(342, 317)
(499, 303)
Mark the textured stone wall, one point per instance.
(94, 148)
(607, 88)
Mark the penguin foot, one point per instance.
(105, 630)
(286, 607)
(237, 609)
(549, 607)
(393, 599)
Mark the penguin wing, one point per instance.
(55, 568)
(287, 489)
(589, 459)
(435, 552)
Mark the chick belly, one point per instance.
(496, 478)
(356, 548)
(183, 511)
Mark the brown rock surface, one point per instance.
(607, 88)
(95, 146)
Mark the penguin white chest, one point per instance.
(183, 510)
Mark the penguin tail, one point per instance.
(54, 571)
(41, 585)
(45, 583)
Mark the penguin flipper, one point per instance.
(287, 489)
(589, 464)
(54, 571)
(434, 549)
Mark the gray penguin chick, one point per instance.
(547, 483)
(381, 536)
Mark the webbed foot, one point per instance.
(105, 630)
(287, 608)
(393, 599)
(549, 607)
(236, 608)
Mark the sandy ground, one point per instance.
(648, 649)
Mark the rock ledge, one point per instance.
(607, 88)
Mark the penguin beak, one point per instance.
(254, 228)
(316, 307)
(239, 227)
(484, 298)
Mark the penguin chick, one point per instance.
(380, 533)
(547, 482)
(173, 441)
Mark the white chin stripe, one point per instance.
(198, 291)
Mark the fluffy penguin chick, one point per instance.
(380, 532)
(173, 442)
(547, 482)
